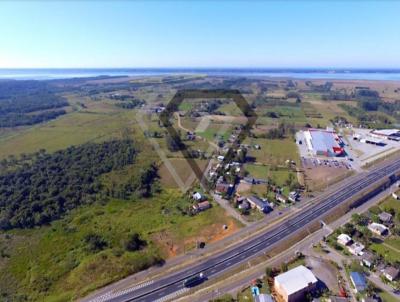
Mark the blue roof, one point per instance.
(359, 280)
(323, 140)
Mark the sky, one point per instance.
(256, 34)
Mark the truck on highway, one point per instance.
(193, 281)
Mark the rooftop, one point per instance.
(392, 271)
(385, 216)
(386, 132)
(296, 279)
(323, 140)
(257, 201)
(358, 280)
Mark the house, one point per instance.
(256, 202)
(202, 206)
(281, 198)
(358, 281)
(244, 206)
(224, 188)
(378, 229)
(356, 249)
(385, 217)
(395, 196)
(263, 298)
(191, 136)
(294, 196)
(367, 259)
(391, 273)
(220, 157)
(293, 285)
(197, 196)
(344, 239)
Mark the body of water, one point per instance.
(352, 74)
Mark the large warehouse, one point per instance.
(323, 142)
(293, 285)
(391, 134)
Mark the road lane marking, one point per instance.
(111, 294)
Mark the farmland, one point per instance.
(87, 246)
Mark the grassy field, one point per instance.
(27, 255)
(278, 176)
(75, 271)
(72, 129)
(390, 248)
(274, 151)
(182, 169)
(386, 297)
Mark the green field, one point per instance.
(75, 271)
(71, 129)
(273, 151)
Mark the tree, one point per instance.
(173, 143)
(358, 219)
(269, 272)
(134, 243)
(349, 229)
(94, 242)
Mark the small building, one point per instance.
(202, 206)
(344, 239)
(197, 196)
(280, 198)
(385, 217)
(244, 206)
(224, 188)
(293, 285)
(391, 273)
(258, 203)
(378, 229)
(367, 259)
(358, 281)
(294, 196)
(356, 249)
(263, 298)
(395, 196)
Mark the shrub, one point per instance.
(94, 242)
(134, 243)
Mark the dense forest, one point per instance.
(24, 102)
(52, 184)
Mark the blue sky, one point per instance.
(199, 34)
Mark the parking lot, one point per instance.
(310, 162)
(364, 152)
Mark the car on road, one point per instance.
(195, 280)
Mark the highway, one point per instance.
(166, 287)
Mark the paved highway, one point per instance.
(167, 287)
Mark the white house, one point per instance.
(344, 239)
(378, 229)
(356, 249)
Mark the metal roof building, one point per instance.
(294, 284)
(323, 142)
(358, 281)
